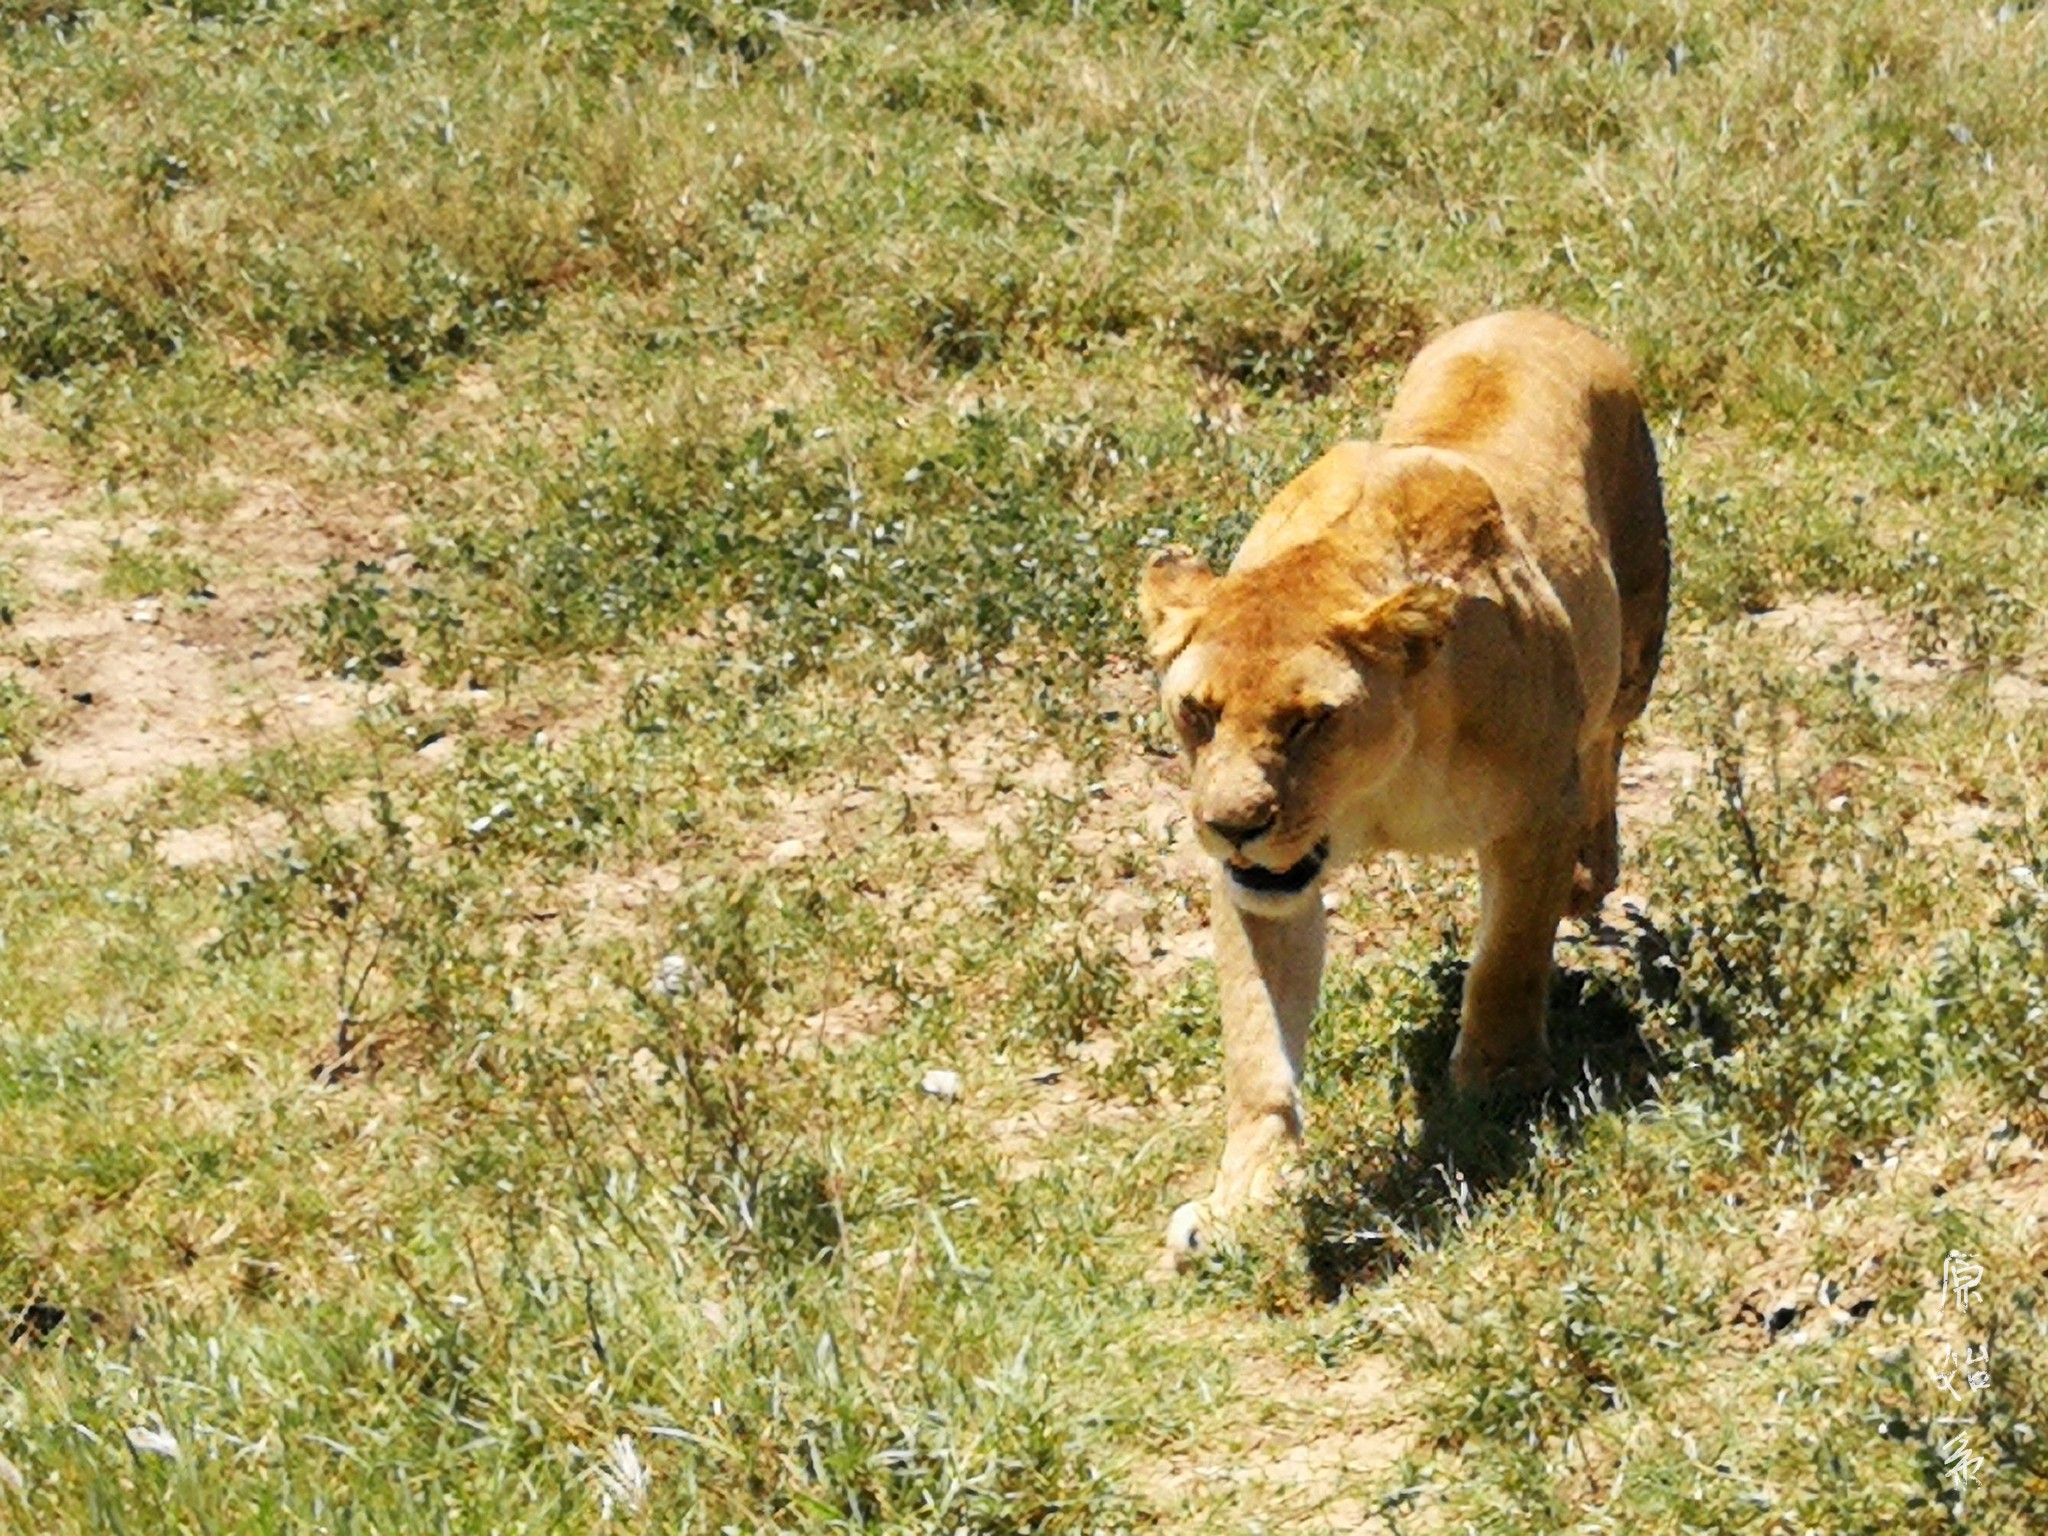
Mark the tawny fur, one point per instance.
(1433, 643)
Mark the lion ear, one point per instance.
(1173, 594)
(1403, 631)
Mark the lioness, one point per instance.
(1430, 643)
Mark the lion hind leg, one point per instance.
(1524, 884)
(1598, 864)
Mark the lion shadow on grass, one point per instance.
(1367, 1206)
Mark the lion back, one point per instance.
(1530, 398)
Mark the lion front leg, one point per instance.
(1525, 884)
(1269, 970)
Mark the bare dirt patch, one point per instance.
(217, 843)
(145, 699)
(1833, 629)
(1041, 1131)
(1655, 775)
(975, 795)
(1299, 1448)
(614, 902)
(141, 688)
(48, 554)
(259, 834)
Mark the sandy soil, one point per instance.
(139, 688)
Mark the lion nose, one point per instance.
(1238, 833)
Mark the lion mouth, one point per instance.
(1282, 882)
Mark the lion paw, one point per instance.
(1527, 1072)
(1191, 1235)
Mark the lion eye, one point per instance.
(1198, 720)
(1306, 725)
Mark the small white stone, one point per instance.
(490, 818)
(673, 976)
(147, 610)
(941, 1084)
(787, 851)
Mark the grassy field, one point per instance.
(565, 638)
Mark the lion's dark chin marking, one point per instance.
(1291, 881)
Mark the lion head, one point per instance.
(1288, 683)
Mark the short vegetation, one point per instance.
(736, 430)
